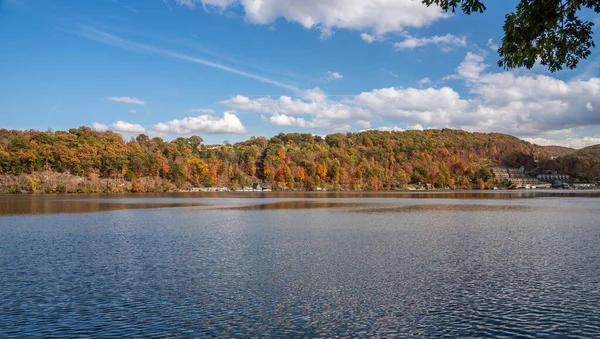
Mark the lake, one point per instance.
(457, 264)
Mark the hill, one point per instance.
(584, 164)
(559, 151)
(589, 152)
(369, 160)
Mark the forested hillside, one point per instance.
(583, 164)
(559, 151)
(370, 160)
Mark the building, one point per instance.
(515, 176)
(550, 177)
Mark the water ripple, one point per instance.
(486, 268)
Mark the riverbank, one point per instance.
(49, 182)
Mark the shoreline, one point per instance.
(299, 192)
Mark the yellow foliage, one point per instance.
(322, 171)
(33, 182)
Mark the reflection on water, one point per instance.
(48, 204)
(35, 205)
(502, 194)
(295, 205)
(286, 266)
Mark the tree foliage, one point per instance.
(550, 32)
(370, 160)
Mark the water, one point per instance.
(301, 265)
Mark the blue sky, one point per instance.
(230, 69)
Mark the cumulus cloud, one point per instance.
(523, 105)
(446, 42)
(285, 120)
(125, 127)
(208, 124)
(332, 76)
(471, 67)
(526, 104)
(422, 106)
(325, 113)
(127, 100)
(119, 126)
(387, 129)
(384, 16)
(99, 127)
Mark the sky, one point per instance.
(232, 69)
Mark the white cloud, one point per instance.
(315, 95)
(390, 129)
(471, 67)
(418, 127)
(380, 17)
(417, 106)
(493, 46)
(568, 142)
(332, 76)
(424, 81)
(325, 113)
(370, 38)
(208, 124)
(285, 120)
(132, 111)
(446, 42)
(529, 104)
(125, 127)
(524, 105)
(114, 40)
(119, 126)
(201, 110)
(127, 100)
(154, 134)
(363, 123)
(99, 127)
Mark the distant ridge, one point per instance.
(590, 151)
(583, 164)
(559, 151)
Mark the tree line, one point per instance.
(369, 160)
